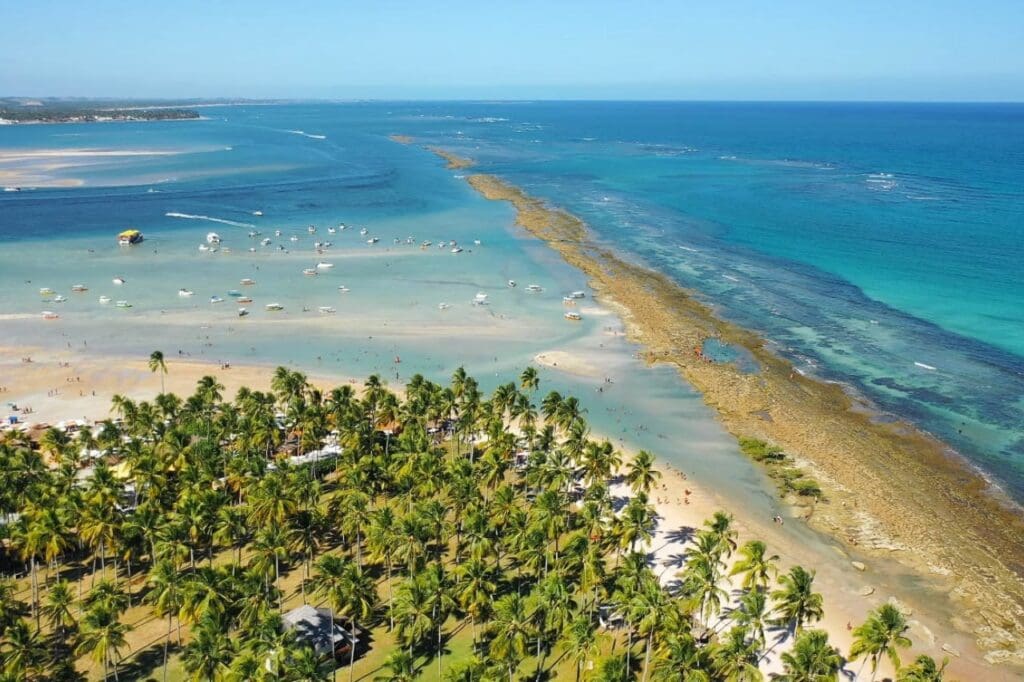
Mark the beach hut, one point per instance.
(321, 630)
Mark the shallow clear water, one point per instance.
(877, 245)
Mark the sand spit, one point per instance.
(890, 489)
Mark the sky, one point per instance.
(907, 50)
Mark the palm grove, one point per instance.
(448, 517)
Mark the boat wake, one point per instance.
(223, 221)
(305, 134)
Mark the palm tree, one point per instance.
(752, 614)
(756, 568)
(579, 641)
(797, 603)
(923, 669)
(511, 631)
(401, 667)
(475, 589)
(23, 651)
(529, 380)
(156, 363)
(641, 474)
(57, 607)
(812, 659)
(103, 636)
(882, 634)
(209, 654)
(167, 595)
(735, 659)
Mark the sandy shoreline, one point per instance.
(891, 490)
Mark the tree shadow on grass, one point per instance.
(146, 664)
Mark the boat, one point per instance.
(123, 304)
(12, 189)
(244, 299)
(511, 284)
(212, 238)
(568, 300)
(535, 288)
(204, 247)
(274, 307)
(79, 288)
(104, 299)
(343, 289)
(46, 291)
(118, 280)
(216, 299)
(247, 281)
(480, 298)
(129, 237)
(50, 315)
(185, 293)
(577, 294)
(425, 244)
(326, 309)
(277, 233)
(265, 241)
(331, 230)
(59, 299)
(252, 249)
(476, 242)
(324, 266)
(443, 306)
(255, 233)
(457, 249)
(234, 293)
(242, 312)
(293, 238)
(364, 231)
(258, 214)
(311, 229)
(573, 316)
(310, 272)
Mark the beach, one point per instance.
(891, 491)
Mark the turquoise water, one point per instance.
(876, 245)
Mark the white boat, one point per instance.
(46, 291)
(443, 306)
(59, 298)
(50, 315)
(342, 226)
(254, 233)
(343, 289)
(123, 304)
(242, 312)
(577, 294)
(324, 266)
(476, 242)
(258, 214)
(204, 247)
(244, 299)
(212, 238)
(364, 231)
(535, 288)
(331, 230)
(247, 281)
(265, 241)
(326, 309)
(511, 284)
(573, 317)
(568, 300)
(457, 249)
(372, 240)
(311, 229)
(79, 288)
(277, 233)
(216, 299)
(273, 307)
(426, 243)
(480, 298)
(104, 299)
(185, 293)
(118, 280)
(309, 272)
(293, 238)
(252, 249)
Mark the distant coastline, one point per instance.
(889, 489)
(45, 115)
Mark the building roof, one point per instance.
(314, 626)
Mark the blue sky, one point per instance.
(643, 49)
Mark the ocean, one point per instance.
(876, 245)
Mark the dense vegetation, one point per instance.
(474, 537)
(76, 114)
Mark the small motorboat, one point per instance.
(216, 299)
(265, 241)
(568, 300)
(234, 293)
(443, 306)
(204, 247)
(511, 284)
(129, 238)
(252, 249)
(50, 315)
(364, 231)
(104, 299)
(311, 229)
(118, 280)
(123, 304)
(372, 240)
(573, 316)
(59, 298)
(535, 288)
(343, 289)
(326, 309)
(309, 272)
(324, 266)
(185, 293)
(480, 298)
(457, 249)
(425, 244)
(342, 226)
(578, 294)
(277, 233)
(242, 312)
(79, 288)
(212, 238)
(274, 307)
(244, 299)
(293, 238)
(476, 242)
(253, 234)
(258, 214)
(46, 291)
(247, 281)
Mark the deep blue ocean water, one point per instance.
(879, 245)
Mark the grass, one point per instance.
(779, 466)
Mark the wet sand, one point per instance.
(891, 491)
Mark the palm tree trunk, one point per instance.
(167, 641)
(647, 656)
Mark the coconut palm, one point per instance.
(812, 659)
(103, 638)
(209, 654)
(923, 669)
(796, 601)
(641, 474)
(882, 634)
(23, 651)
(157, 363)
(400, 667)
(756, 568)
(734, 658)
(166, 594)
(57, 608)
(529, 380)
(511, 630)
